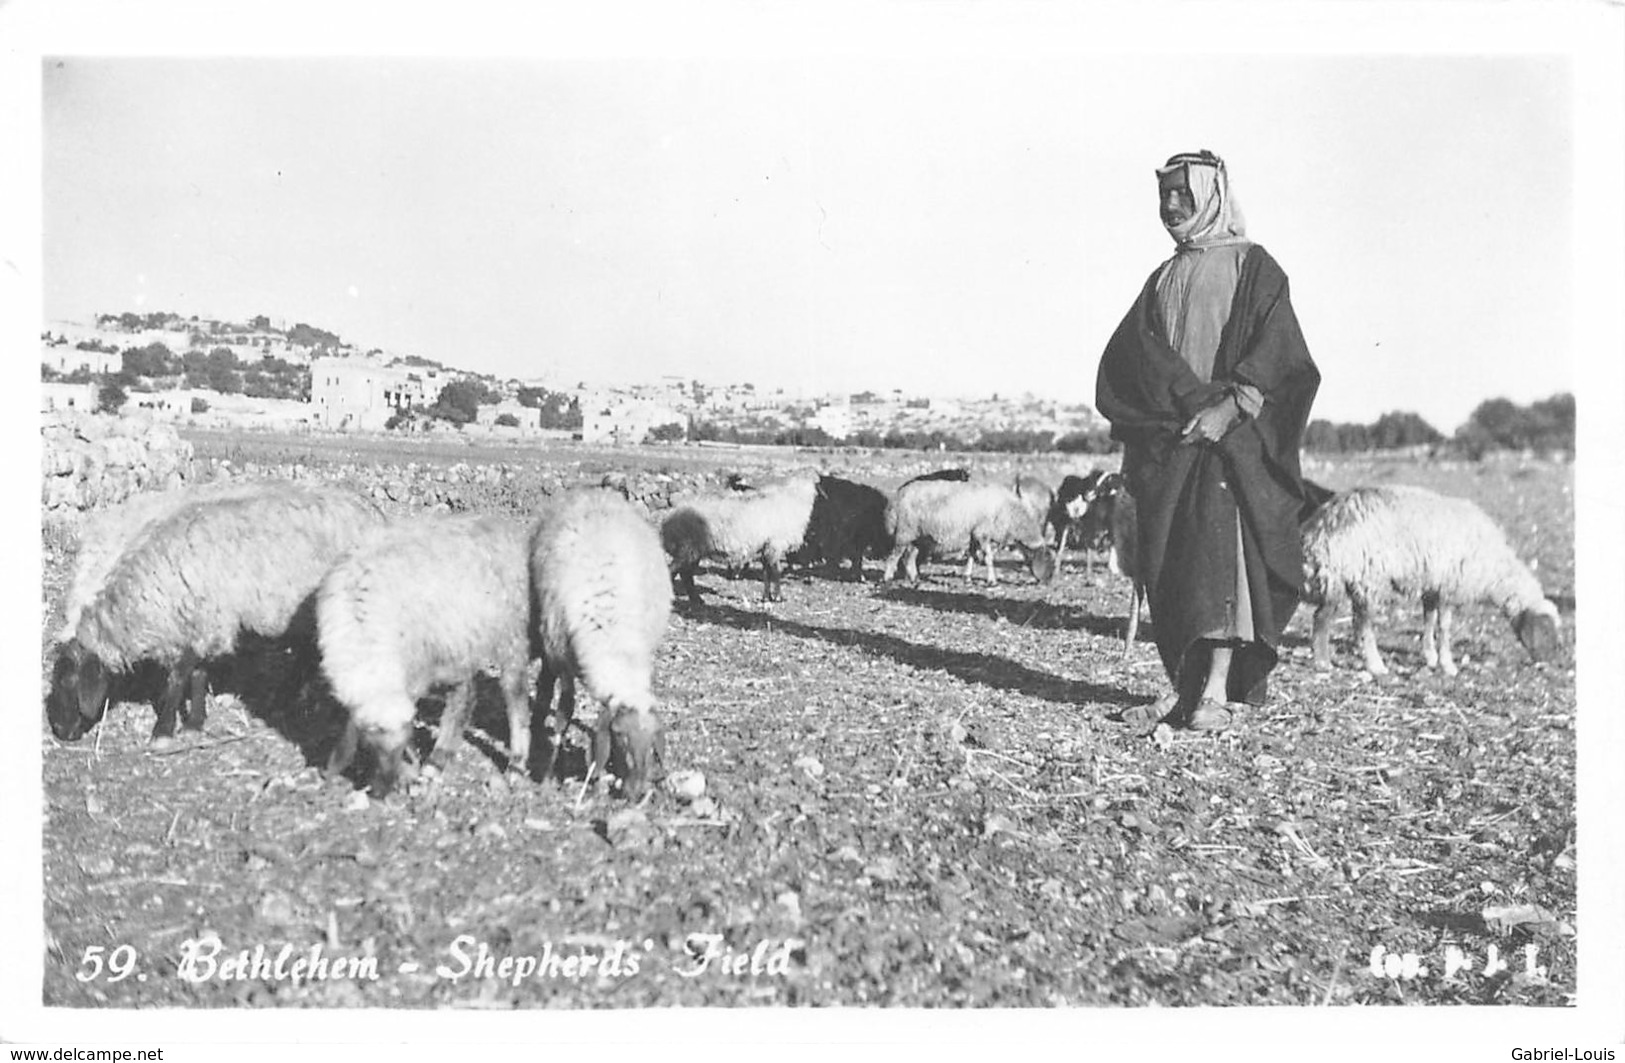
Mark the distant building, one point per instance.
(168, 405)
(58, 396)
(67, 359)
(625, 421)
(529, 417)
(359, 393)
(835, 420)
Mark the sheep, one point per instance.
(1445, 549)
(429, 601)
(968, 516)
(602, 597)
(173, 582)
(1039, 496)
(1082, 512)
(762, 525)
(848, 521)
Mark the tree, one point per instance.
(461, 400)
(153, 360)
(200, 404)
(110, 398)
(1396, 429)
(507, 420)
(667, 433)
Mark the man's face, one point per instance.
(1177, 203)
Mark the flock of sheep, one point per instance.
(387, 612)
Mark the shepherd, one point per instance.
(1208, 385)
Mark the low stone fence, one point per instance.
(90, 462)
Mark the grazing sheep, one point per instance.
(1447, 550)
(173, 581)
(1039, 496)
(762, 525)
(1082, 513)
(429, 601)
(954, 517)
(602, 604)
(848, 521)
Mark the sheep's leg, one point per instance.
(545, 684)
(1447, 616)
(343, 755)
(459, 700)
(772, 579)
(987, 554)
(911, 559)
(1366, 635)
(1430, 629)
(1060, 549)
(176, 686)
(888, 568)
(197, 711)
(1321, 640)
(517, 700)
(686, 577)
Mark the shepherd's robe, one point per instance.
(1189, 495)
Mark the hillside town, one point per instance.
(267, 374)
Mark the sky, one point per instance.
(961, 224)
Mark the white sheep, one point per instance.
(1369, 540)
(740, 528)
(603, 602)
(432, 600)
(173, 581)
(954, 517)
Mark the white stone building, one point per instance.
(625, 421)
(56, 395)
(359, 393)
(529, 417)
(66, 358)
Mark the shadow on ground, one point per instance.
(990, 670)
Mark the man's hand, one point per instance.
(1212, 424)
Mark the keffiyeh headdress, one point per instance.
(1217, 219)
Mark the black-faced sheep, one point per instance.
(740, 528)
(429, 601)
(848, 522)
(1082, 513)
(602, 605)
(174, 581)
(1370, 540)
(954, 517)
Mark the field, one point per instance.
(915, 796)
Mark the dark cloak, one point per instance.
(1188, 494)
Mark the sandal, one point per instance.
(1146, 717)
(1211, 715)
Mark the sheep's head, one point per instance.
(80, 687)
(1040, 562)
(1537, 630)
(633, 739)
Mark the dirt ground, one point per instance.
(913, 795)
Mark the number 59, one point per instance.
(120, 962)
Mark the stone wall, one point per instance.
(90, 461)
